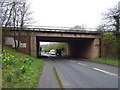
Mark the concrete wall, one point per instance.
(85, 48)
(89, 48)
(107, 49)
(95, 48)
(27, 44)
(24, 43)
(33, 46)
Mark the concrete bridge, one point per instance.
(80, 43)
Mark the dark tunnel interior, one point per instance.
(77, 47)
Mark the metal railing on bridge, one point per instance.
(45, 29)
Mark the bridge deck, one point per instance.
(80, 31)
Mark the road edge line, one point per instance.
(82, 64)
(106, 72)
(57, 78)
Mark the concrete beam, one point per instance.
(46, 34)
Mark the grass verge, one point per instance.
(110, 62)
(20, 70)
(57, 77)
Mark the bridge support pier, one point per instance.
(95, 48)
(33, 48)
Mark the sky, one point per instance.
(69, 13)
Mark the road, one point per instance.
(76, 73)
(47, 76)
(47, 55)
(84, 74)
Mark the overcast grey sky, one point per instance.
(68, 13)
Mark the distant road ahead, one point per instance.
(47, 55)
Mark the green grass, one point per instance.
(20, 70)
(111, 62)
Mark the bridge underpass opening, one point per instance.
(76, 47)
(50, 49)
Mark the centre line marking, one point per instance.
(82, 64)
(72, 61)
(106, 72)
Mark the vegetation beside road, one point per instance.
(111, 35)
(112, 40)
(54, 46)
(110, 62)
(19, 70)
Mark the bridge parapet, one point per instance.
(52, 30)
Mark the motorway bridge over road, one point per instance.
(80, 43)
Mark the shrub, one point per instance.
(18, 72)
(9, 78)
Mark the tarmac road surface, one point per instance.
(84, 74)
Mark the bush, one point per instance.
(9, 78)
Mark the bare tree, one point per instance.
(6, 13)
(112, 18)
(17, 16)
(112, 24)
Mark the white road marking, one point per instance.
(106, 72)
(100, 70)
(72, 61)
(82, 64)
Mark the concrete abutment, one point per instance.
(88, 48)
(79, 45)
